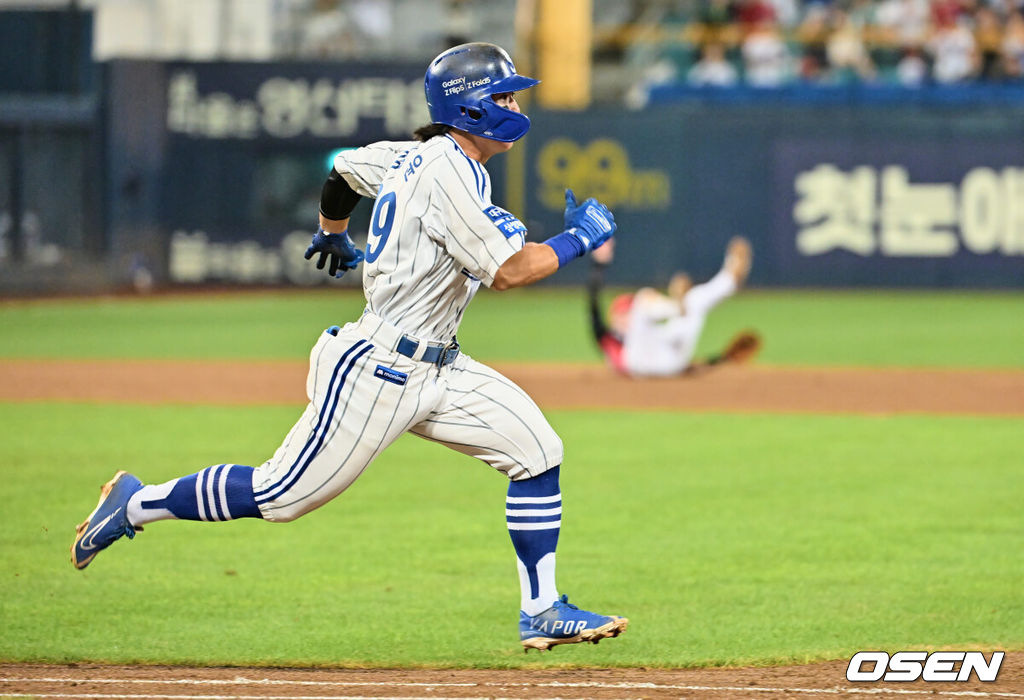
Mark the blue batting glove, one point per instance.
(570, 208)
(591, 222)
(587, 227)
(338, 248)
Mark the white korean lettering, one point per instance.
(836, 210)
(917, 219)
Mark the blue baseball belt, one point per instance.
(439, 355)
(389, 336)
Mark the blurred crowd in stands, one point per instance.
(772, 43)
(638, 44)
(395, 29)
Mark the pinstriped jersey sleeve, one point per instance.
(479, 235)
(364, 168)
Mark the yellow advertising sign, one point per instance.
(601, 169)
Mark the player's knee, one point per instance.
(553, 451)
(547, 455)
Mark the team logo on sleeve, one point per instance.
(506, 223)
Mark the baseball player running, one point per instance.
(655, 335)
(435, 237)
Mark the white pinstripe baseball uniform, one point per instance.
(435, 236)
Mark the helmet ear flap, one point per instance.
(474, 115)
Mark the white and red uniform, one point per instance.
(661, 338)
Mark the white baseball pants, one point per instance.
(363, 395)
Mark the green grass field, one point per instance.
(837, 328)
(726, 539)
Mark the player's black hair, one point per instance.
(429, 131)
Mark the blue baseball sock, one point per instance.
(220, 492)
(533, 512)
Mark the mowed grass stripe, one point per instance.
(726, 539)
(801, 327)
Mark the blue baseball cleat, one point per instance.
(108, 522)
(564, 623)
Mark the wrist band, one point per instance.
(567, 247)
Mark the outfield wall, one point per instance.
(855, 194)
(211, 172)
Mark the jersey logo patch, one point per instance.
(391, 375)
(506, 223)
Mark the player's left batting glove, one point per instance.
(587, 226)
(336, 247)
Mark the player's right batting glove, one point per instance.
(336, 247)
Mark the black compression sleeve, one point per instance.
(594, 284)
(337, 198)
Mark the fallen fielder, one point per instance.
(652, 334)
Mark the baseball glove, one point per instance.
(742, 348)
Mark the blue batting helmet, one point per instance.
(459, 84)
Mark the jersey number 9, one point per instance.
(381, 221)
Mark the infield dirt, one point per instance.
(803, 681)
(744, 388)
